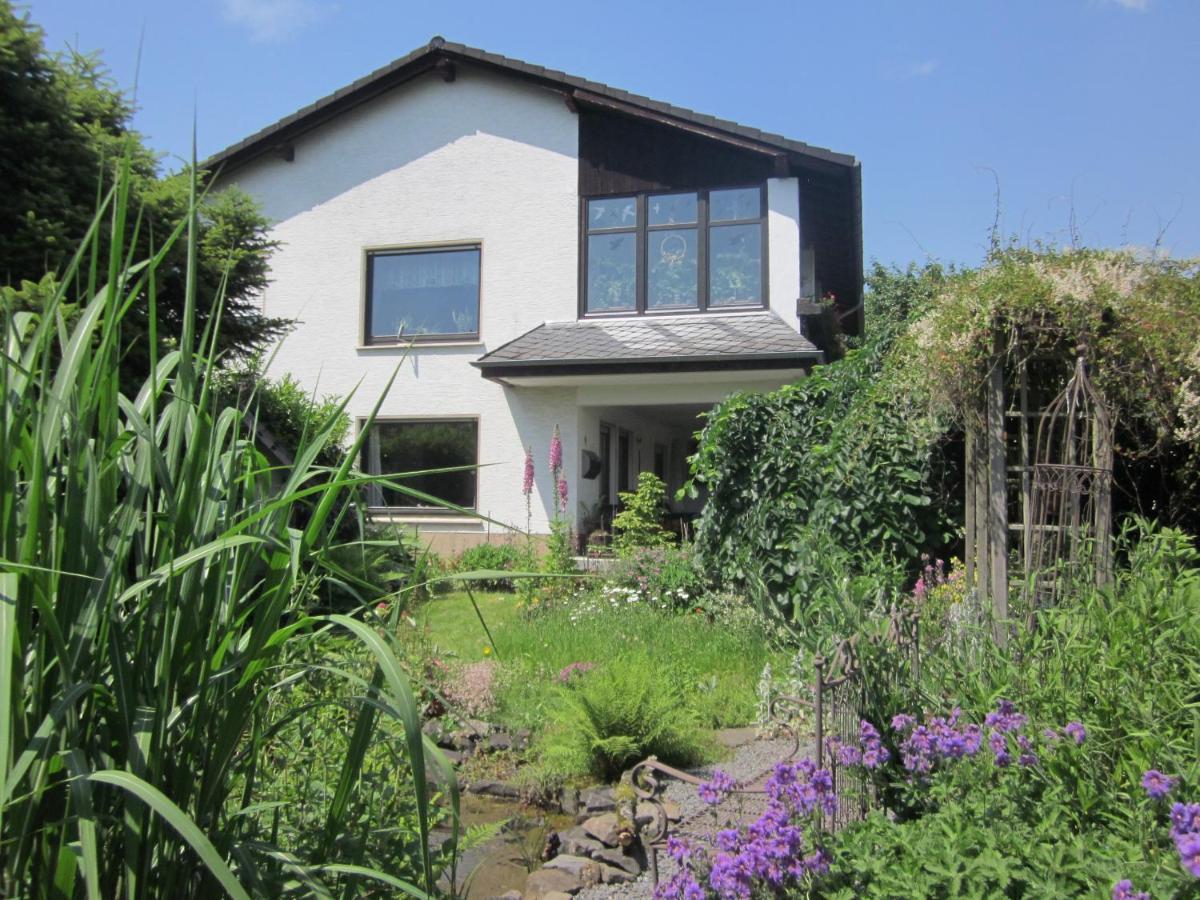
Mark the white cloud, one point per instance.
(271, 20)
(922, 69)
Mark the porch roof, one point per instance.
(647, 344)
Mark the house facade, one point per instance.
(523, 249)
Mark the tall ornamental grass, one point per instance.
(154, 579)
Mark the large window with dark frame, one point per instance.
(675, 251)
(422, 294)
(401, 446)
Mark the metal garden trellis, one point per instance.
(1047, 505)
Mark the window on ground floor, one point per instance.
(675, 252)
(422, 294)
(397, 447)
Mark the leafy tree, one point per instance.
(64, 125)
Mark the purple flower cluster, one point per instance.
(769, 855)
(939, 739)
(556, 453)
(567, 672)
(527, 481)
(1185, 831)
(868, 751)
(714, 791)
(1157, 785)
(931, 576)
(1123, 890)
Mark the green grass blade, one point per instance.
(179, 821)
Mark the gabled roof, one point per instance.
(698, 342)
(440, 54)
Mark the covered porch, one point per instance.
(638, 390)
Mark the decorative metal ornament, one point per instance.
(1072, 493)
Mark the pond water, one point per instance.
(501, 864)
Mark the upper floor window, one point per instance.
(425, 294)
(679, 251)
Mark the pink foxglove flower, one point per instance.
(527, 484)
(555, 451)
(562, 495)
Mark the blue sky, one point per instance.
(1082, 110)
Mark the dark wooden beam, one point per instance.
(446, 69)
(286, 152)
(572, 104)
(587, 98)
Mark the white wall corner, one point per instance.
(783, 247)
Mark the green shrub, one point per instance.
(611, 717)
(283, 412)
(1121, 660)
(494, 557)
(374, 568)
(667, 575)
(639, 523)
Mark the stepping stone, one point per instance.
(587, 871)
(604, 828)
(598, 800)
(544, 883)
(579, 844)
(617, 859)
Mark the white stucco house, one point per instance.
(535, 249)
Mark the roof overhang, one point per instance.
(590, 370)
(440, 57)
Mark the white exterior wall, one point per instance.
(783, 247)
(482, 159)
(479, 159)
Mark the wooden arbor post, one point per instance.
(986, 502)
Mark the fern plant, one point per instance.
(618, 714)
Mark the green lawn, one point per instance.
(453, 628)
(718, 664)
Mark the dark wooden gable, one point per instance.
(620, 154)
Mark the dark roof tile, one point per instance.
(693, 338)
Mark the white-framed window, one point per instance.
(422, 294)
(403, 446)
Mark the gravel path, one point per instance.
(750, 764)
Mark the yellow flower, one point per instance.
(487, 651)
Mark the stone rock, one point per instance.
(507, 895)
(463, 742)
(500, 741)
(647, 813)
(454, 756)
(568, 801)
(577, 843)
(604, 828)
(494, 789)
(544, 883)
(521, 738)
(555, 895)
(598, 800)
(671, 808)
(613, 875)
(587, 871)
(619, 860)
